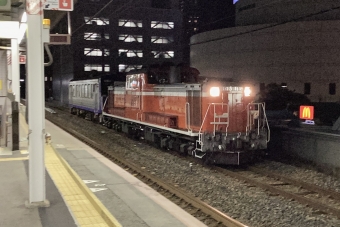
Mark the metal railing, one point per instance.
(257, 119)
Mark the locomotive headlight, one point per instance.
(214, 91)
(247, 91)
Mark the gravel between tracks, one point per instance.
(249, 205)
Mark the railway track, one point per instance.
(323, 200)
(202, 211)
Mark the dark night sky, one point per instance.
(216, 14)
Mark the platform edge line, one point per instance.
(97, 204)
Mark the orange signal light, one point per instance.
(307, 112)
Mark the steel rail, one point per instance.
(310, 187)
(278, 191)
(200, 206)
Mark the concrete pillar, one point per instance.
(36, 106)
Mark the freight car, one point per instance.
(213, 120)
(86, 96)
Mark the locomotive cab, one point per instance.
(233, 127)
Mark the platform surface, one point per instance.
(83, 188)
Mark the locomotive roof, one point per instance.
(91, 78)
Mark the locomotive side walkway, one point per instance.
(84, 189)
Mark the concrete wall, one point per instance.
(322, 149)
(294, 53)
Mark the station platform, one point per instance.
(83, 189)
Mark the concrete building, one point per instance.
(293, 43)
(112, 37)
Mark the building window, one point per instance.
(130, 53)
(161, 39)
(127, 68)
(130, 23)
(95, 36)
(162, 25)
(96, 67)
(332, 88)
(306, 89)
(96, 21)
(262, 86)
(131, 38)
(96, 52)
(163, 54)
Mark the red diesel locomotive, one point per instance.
(213, 120)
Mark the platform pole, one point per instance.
(36, 106)
(15, 69)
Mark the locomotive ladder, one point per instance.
(219, 119)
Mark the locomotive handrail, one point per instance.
(141, 115)
(258, 106)
(265, 116)
(200, 131)
(104, 103)
(205, 116)
(221, 116)
(187, 116)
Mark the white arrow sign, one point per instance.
(97, 189)
(90, 181)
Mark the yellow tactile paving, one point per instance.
(85, 207)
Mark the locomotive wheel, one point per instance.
(109, 125)
(73, 112)
(207, 159)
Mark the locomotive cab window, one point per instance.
(132, 81)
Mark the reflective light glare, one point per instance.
(24, 18)
(22, 31)
(215, 91)
(9, 29)
(247, 91)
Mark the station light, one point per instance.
(47, 23)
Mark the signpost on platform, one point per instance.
(62, 5)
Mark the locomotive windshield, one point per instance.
(132, 81)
